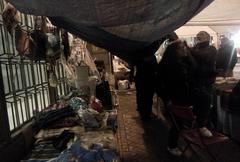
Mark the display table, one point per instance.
(227, 120)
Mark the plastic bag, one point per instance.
(123, 84)
(71, 77)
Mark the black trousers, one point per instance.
(145, 89)
(201, 99)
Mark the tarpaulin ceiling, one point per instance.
(219, 13)
(223, 16)
(124, 27)
(231, 29)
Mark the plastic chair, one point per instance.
(191, 135)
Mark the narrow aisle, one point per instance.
(147, 142)
(140, 142)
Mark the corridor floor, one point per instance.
(140, 142)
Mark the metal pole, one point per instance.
(35, 88)
(4, 124)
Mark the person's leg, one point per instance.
(173, 136)
(138, 93)
(138, 99)
(213, 112)
(201, 107)
(145, 106)
(144, 94)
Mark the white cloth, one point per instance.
(159, 53)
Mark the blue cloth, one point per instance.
(78, 103)
(94, 154)
(66, 156)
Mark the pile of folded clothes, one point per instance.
(73, 130)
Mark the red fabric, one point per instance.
(97, 105)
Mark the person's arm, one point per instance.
(234, 58)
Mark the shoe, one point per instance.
(205, 132)
(175, 151)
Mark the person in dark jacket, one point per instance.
(167, 67)
(226, 57)
(145, 81)
(147, 78)
(175, 68)
(202, 80)
(188, 79)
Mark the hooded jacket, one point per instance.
(205, 57)
(226, 57)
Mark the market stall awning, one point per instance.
(221, 15)
(124, 27)
(231, 29)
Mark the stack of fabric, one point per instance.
(73, 130)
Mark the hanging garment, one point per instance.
(10, 17)
(21, 40)
(53, 81)
(52, 45)
(66, 44)
(38, 45)
(123, 27)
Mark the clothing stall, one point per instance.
(49, 108)
(56, 101)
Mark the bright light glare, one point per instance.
(236, 39)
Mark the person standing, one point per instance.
(148, 78)
(226, 58)
(202, 80)
(145, 81)
(176, 65)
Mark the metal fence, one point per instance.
(25, 83)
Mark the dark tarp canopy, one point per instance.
(127, 28)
